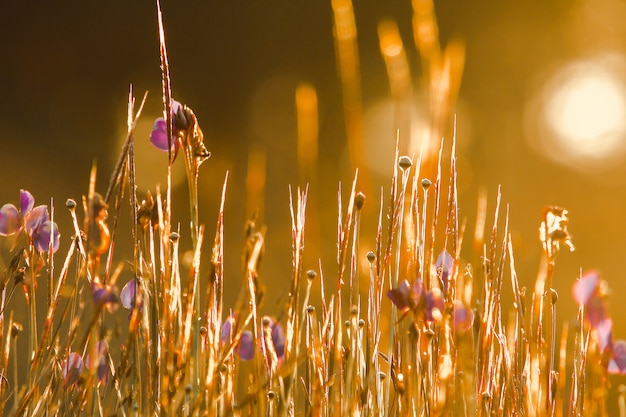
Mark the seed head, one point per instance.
(359, 200)
(405, 162)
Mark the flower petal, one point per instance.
(463, 317)
(27, 201)
(101, 364)
(604, 332)
(444, 265)
(71, 369)
(245, 348)
(35, 218)
(434, 305)
(158, 136)
(595, 311)
(105, 295)
(44, 234)
(585, 287)
(400, 296)
(617, 363)
(278, 338)
(127, 296)
(9, 220)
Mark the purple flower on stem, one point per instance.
(463, 317)
(406, 297)
(617, 361)
(9, 220)
(434, 305)
(614, 350)
(444, 265)
(590, 291)
(71, 368)
(101, 363)
(128, 296)
(278, 338)
(428, 305)
(105, 295)
(158, 136)
(34, 220)
(245, 345)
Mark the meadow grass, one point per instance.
(423, 333)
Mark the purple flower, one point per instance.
(406, 297)
(105, 295)
(101, 363)
(128, 296)
(427, 305)
(278, 338)
(9, 220)
(35, 222)
(434, 305)
(586, 287)
(617, 361)
(463, 317)
(590, 292)
(71, 369)
(43, 234)
(444, 265)
(245, 346)
(158, 136)
(27, 201)
(604, 333)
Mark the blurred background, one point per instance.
(541, 111)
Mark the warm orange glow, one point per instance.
(395, 59)
(587, 109)
(255, 180)
(306, 108)
(579, 118)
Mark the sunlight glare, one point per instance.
(587, 110)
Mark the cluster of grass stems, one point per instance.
(354, 354)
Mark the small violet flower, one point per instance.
(407, 297)
(34, 220)
(158, 136)
(463, 317)
(617, 361)
(71, 368)
(101, 362)
(245, 346)
(105, 295)
(591, 292)
(276, 339)
(128, 296)
(444, 265)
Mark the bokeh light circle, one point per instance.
(579, 117)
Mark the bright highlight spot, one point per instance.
(579, 117)
(588, 110)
